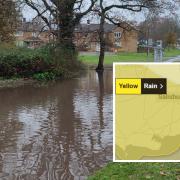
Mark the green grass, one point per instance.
(126, 57)
(121, 57)
(171, 52)
(139, 171)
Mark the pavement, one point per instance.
(175, 59)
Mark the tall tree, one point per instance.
(8, 20)
(63, 15)
(171, 39)
(104, 10)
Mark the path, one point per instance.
(175, 59)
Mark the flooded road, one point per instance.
(60, 131)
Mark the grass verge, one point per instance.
(121, 57)
(171, 52)
(127, 57)
(138, 171)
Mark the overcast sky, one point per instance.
(28, 13)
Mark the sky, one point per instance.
(28, 13)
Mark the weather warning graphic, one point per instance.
(146, 112)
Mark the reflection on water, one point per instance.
(61, 131)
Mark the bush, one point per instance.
(45, 63)
(24, 62)
(46, 76)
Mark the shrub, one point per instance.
(23, 62)
(45, 63)
(46, 76)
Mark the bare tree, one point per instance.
(61, 17)
(104, 11)
(160, 28)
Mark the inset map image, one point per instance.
(147, 112)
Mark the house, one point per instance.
(31, 34)
(117, 39)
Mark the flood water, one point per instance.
(58, 131)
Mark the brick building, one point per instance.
(86, 38)
(117, 40)
(31, 34)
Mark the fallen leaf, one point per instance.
(163, 173)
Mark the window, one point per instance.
(118, 44)
(35, 34)
(117, 34)
(19, 33)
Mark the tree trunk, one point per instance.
(66, 39)
(65, 50)
(100, 66)
(66, 24)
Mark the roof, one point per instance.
(34, 26)
(33, 39)
(94, 27)
(30, 27)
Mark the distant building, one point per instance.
(31, 34)
(117, 40)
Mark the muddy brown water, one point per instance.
(58, 131)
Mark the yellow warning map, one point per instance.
(147, 126)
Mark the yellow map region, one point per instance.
(147, 127)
